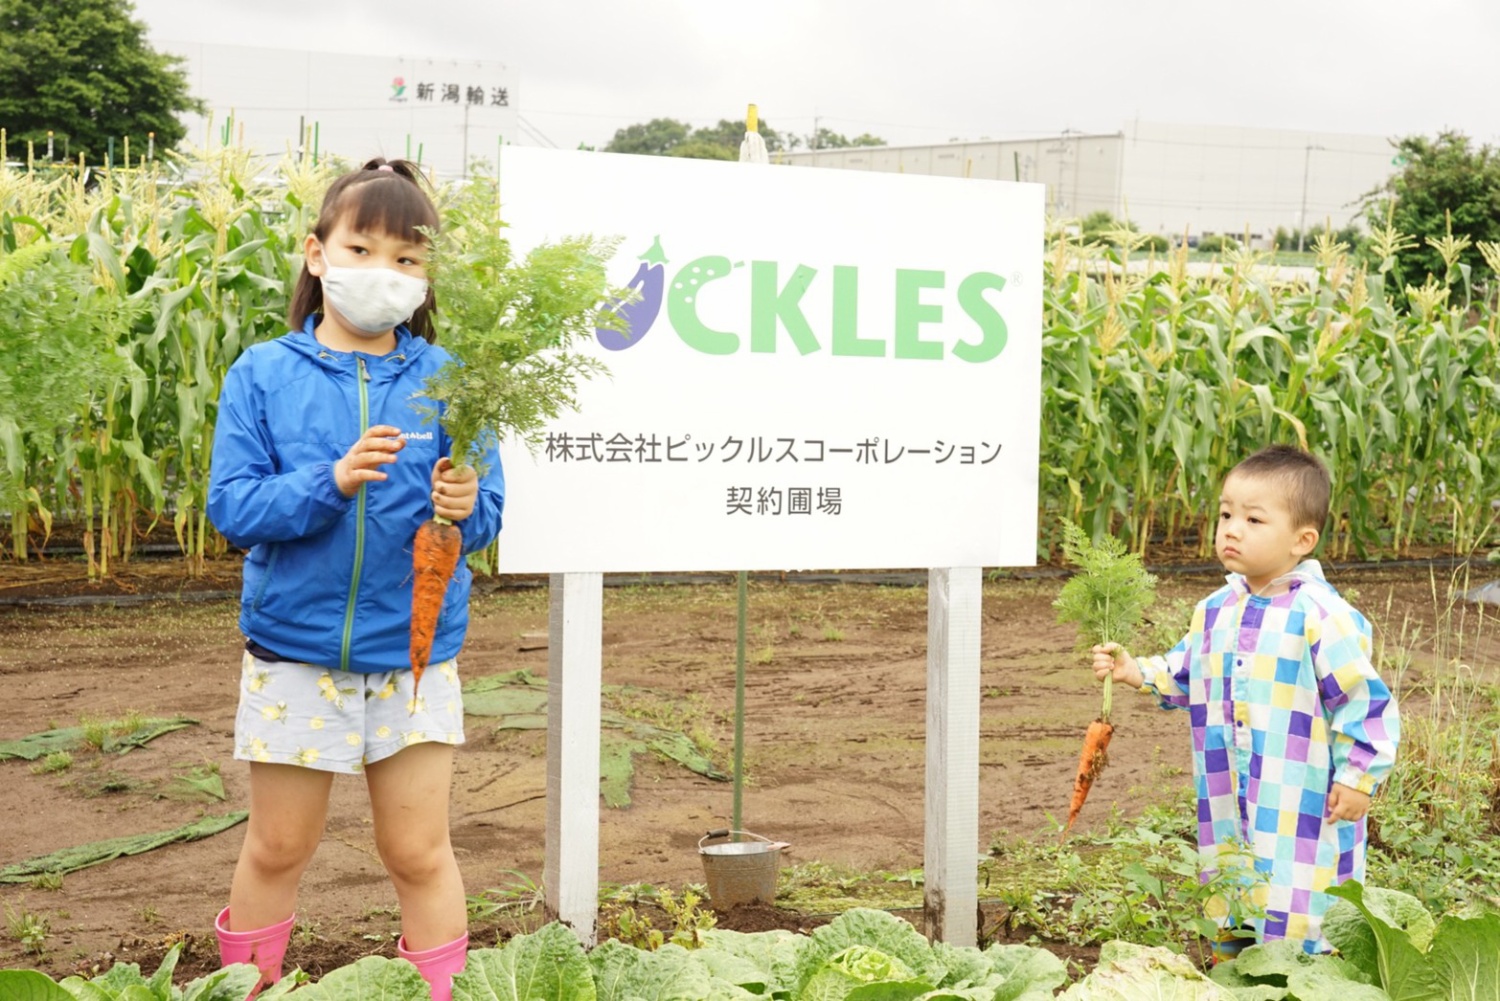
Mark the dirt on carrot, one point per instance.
(1091, 762)
(435, 554)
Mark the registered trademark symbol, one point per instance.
(1016, 278)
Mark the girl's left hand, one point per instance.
(454, 490)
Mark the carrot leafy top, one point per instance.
(1109, 595)
(513, 326)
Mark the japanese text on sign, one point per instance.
(596, 446)
(776, 501)
(453, 93)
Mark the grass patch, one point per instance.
(101, 733)
(690, 716)
(57, 761)
(825, 888)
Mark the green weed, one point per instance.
(632, 923)
(51, 881)
(57, 761)
(28, 930)
(519, 901)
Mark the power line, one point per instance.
(533, 132)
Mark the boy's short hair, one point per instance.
(1308, 485)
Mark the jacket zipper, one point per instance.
(359, 523)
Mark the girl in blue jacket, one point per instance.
(323, 469)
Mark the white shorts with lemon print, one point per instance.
(340, 721)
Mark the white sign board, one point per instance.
(827, 369)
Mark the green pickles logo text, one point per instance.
(921, 324)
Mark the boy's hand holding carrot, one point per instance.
(1113, 659)
(361, 464)
(454, 490)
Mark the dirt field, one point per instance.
(834, 737)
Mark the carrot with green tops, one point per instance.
(1106, 600)
(434, 556)
(517, 332)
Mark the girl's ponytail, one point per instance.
(404, 168)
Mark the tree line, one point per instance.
(670, 137)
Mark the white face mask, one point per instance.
(373, 300)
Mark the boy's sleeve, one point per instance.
(1166, 676)
(1359, 707)
(249, 500)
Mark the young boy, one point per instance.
(1292, 727)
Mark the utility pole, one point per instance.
(1077, 169)
(1302, 216)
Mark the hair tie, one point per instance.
(386, 166)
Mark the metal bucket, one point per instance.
(740, 872)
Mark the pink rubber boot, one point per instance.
(264, 947)
(438, 965)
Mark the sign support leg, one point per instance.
(951, 841)
(570, 871)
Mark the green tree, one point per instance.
(1440, 179)
(84, 70)
(698, 149)
(729, 133)
(1289, 239)
(1096, 224)
(829, 139)
(653, 138)
(669, 137)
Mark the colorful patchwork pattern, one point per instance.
(1283, 702)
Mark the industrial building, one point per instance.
(442, 111)
(1167, 179)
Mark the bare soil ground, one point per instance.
(834, 736)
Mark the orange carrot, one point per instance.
(434, 557)
(1090, 763)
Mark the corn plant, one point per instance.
(144, 284)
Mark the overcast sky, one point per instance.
(923, 71)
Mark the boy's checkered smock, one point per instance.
(1283, 702)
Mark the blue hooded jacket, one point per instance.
(328, 578)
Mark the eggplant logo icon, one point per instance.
(649, 282)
